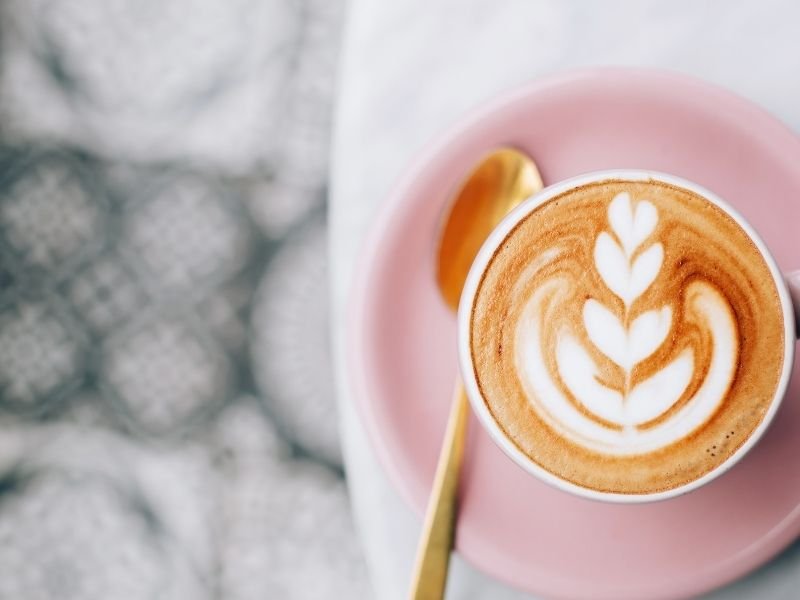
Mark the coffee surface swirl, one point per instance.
(627, 336)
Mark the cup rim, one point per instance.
(466, 303)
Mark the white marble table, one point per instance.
(411, 68)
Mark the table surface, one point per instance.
(410, 69)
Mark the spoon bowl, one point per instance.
(501, 181)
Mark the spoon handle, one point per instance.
(433, 552)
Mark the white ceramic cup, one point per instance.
(468, 297)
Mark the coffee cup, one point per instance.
(626, 336)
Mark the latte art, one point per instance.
(627, 336)
(624, 411)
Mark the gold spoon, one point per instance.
(500, 182)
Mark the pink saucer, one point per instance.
(402, 351)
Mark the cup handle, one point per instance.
(793, 280)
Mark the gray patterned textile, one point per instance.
(167, 420)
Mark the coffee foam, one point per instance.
(627, 336)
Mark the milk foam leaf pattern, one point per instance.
(582, 381)
(624, 342)
(626, 347)
(613, 266)
(649, 399)
(624, 339)
(646, 334)
(627, 277)
(644, 271)
(606, 331)
(631, 228)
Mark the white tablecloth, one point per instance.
(413, 67)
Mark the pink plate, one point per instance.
(402, 350)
